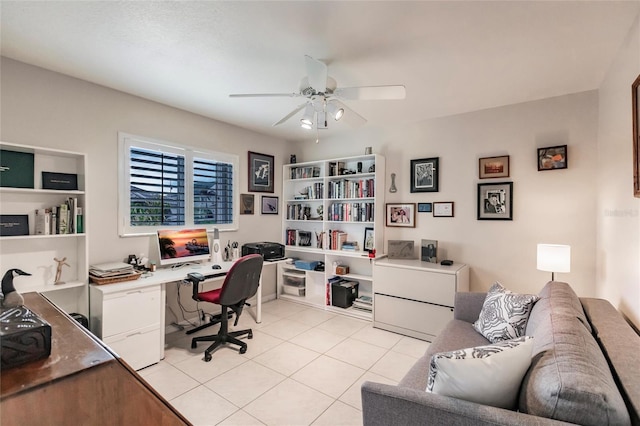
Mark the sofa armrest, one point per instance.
(386, 405)
(467, 306)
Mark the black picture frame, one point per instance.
(425, 207)
(553, 158)
(495, 201)
(425, 175)
(368, 242)
(261, 175)
(635, 111)
(269, 205)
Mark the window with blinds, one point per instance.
(157, 195)
(164, 185)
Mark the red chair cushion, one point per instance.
(212, 296)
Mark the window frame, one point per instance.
(126, 141)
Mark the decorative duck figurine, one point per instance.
(11, 297)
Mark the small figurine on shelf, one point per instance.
(10, 296)
(61, 263)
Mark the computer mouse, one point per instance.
(216, 267)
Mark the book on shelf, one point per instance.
(43, 222)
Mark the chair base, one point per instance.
(220, 339)
(213, 320)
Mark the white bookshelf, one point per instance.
(35, 253)
(320, 197)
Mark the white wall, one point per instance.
(549, 207)
(43, 108)
(618, 219)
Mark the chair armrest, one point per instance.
(384, 405)
(467, 306)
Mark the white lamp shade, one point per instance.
(554, 258)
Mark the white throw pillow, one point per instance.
(504, 314)
(489, 375)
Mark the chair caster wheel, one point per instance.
(243, 350)
(250, 335)
(207, 357)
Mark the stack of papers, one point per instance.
(110, 270)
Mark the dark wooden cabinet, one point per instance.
(81, 382)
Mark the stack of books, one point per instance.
(364, 303)
(112, 272)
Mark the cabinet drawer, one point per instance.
(139, 348)
(131, 310)
(411, 316)
(425, 286)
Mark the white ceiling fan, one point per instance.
(324, 97)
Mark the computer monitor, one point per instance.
(183, 246)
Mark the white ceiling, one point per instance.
(452, 56)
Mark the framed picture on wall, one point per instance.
(493, 167)
(424, 175)
(260, 172)
(635, 97)
(495, 201)
(552, 158)
(443, 209)
(246, 203)
(402, 215)
(424, 207)
(269, 205)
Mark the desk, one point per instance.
(80, 382)
(130, 316)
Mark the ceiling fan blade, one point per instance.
(350, 116)
(371, 92)
(316, 73)
(264, 95)
(291, 114)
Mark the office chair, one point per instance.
(240, 284)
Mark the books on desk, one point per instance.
(363, 303)
(107, 273)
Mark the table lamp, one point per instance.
(554, 258)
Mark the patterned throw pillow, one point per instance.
(489, 375)
(504, 314)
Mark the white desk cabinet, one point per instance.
(416, 298)
(130, 320)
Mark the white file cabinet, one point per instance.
(416, 298)
(128, 318)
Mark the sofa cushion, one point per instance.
(504, 314)
(456, 334)
(489, 374)
(565, 302)
(569, 378)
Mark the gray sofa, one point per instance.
(585, 370)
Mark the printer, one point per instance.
(269, 251)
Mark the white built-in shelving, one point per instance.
(35, 253)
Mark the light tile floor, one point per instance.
(304, 366)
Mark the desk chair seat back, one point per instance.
(242, 280)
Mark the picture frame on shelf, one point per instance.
(495, 201)
(401, 215)
(424, 175)
(261, 172)
(400, 249)
(493, 167)
(552, 158)
(247, 203)
(429, 251)
(369, 242)
(443, 209)
(269, 205)
(425, 207)
(635, 97)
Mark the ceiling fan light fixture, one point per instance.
(335, 111)
(307, 119)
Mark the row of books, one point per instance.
(305, 172)
(298, 212)
(67, 218)
(351, 212)
(298, 237)
(311, 192)
(346, 188)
